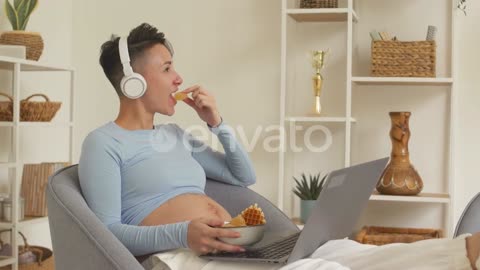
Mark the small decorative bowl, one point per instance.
(249, 235)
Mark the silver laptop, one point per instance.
(338, 207)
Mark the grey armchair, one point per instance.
(80, 241)
(469, 222)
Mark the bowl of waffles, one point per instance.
(250, 223)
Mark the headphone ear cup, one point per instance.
(133, 86)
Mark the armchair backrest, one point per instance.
(79, 239)
(469, 222)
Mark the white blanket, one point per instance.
(342, 254)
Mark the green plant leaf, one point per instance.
(305, 188)
(21, 14)
(32, 4)
(17, 3)
(11, 14)
(314, 188)
(304, 191)
(299, 185)
(26, 11)
(300, 192)
(300, 195)
(322, 184)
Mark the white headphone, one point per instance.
(133, 85)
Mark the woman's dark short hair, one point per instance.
(139, 40)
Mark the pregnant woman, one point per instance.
(146, 183)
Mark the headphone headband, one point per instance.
(124, 56)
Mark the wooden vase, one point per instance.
(400, 177)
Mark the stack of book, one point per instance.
(385, 36)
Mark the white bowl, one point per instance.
(249, 235)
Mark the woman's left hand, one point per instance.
(204, 104)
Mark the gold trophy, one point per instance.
(318, 62)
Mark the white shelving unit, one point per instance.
(17, 67)
(293, 17)
(295, 25)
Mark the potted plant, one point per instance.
(308, 192)
(18, 14)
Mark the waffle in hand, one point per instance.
(253, 215)
(180, 96)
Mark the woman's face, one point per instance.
(162, 80)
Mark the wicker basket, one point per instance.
(45, 260)
(34, 111)
(38, 111)
(6, 108)
(403, 59)
(387, 235)
(32, 41)
(318, 3)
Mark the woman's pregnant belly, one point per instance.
(186, 207)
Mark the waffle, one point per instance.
(180, 96)
(253, 215)
(237, 221)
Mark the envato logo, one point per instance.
(198, 138)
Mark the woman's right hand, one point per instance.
(202, 236)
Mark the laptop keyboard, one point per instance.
(275, 250)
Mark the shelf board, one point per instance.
(6, 225)
(45, 124)
(32, 220)
(37, 124)
(421, 198)
(401, 81)
(29, 65)
(6, 165)
(321, 14)
(6, 124)
(24, 222)
(319, 119)
(6, 260)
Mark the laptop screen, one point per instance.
(338, 207)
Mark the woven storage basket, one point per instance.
(387, 235)
(45, 260)
(38, 111)
(6, 108)
(34, 184)
(403, 59)
(32, 41)
(318, 3)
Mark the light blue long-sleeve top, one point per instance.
(126, 174)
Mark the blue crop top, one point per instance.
(126, 174)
